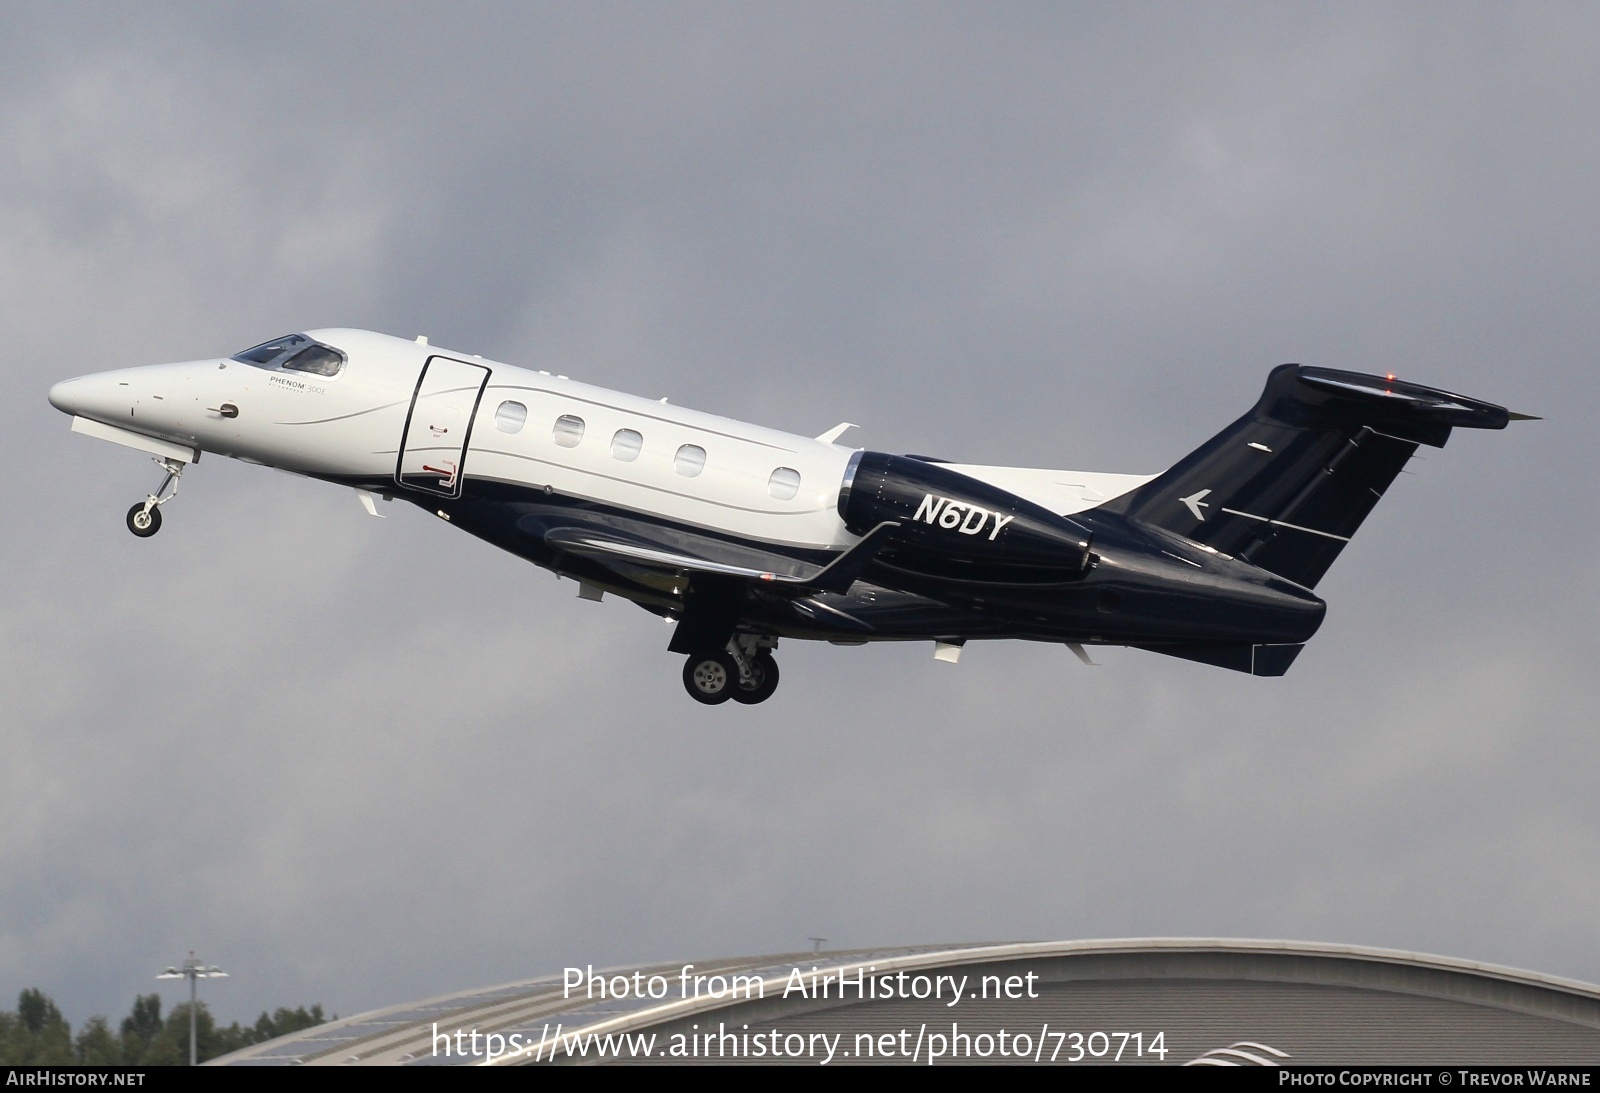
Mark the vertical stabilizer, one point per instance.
(1288, 484)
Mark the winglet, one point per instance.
(839, 574)
(836, 432)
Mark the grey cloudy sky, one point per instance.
(359, 761)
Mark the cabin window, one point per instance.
(568, 431)
(318, 360)
(690, 460)
(625, 445)
(510, 417)
(784, 483)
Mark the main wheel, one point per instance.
(763, 681)
(144, 524)
(710, 678)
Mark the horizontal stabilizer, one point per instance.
(1325, 396)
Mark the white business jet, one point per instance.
(744, 535)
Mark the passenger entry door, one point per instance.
(433, 450)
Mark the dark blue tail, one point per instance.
(1288, 484)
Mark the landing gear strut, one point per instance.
(144, 519)
(745, 672)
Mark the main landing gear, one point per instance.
(745, 671)
(144, 519)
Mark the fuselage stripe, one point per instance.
(344, 417)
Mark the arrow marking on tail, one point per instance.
(1196, 502)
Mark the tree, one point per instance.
(140, 1027)
(284, 1021)
(37, 1010)
(96, 1046)
(36, 1034)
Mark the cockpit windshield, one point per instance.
(295, 352)
(267, 352)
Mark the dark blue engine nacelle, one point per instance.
(953, 525)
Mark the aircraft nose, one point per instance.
(103, 396)
(67, 396)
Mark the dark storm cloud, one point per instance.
(358, 761)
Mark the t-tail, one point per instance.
(1286, 486)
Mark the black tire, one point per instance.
(141, 525)
(710, 678)
(765, 681)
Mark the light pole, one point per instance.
(192, 970)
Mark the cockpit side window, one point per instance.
(319, 360)
(267, 352)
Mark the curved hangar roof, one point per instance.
(1210, 1000)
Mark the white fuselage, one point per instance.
(351, 426)
(354, 425)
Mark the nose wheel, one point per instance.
(746, 672)
(144, 519)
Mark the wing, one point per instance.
(799, 578)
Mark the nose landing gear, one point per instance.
(144, 519)
(746, 672)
